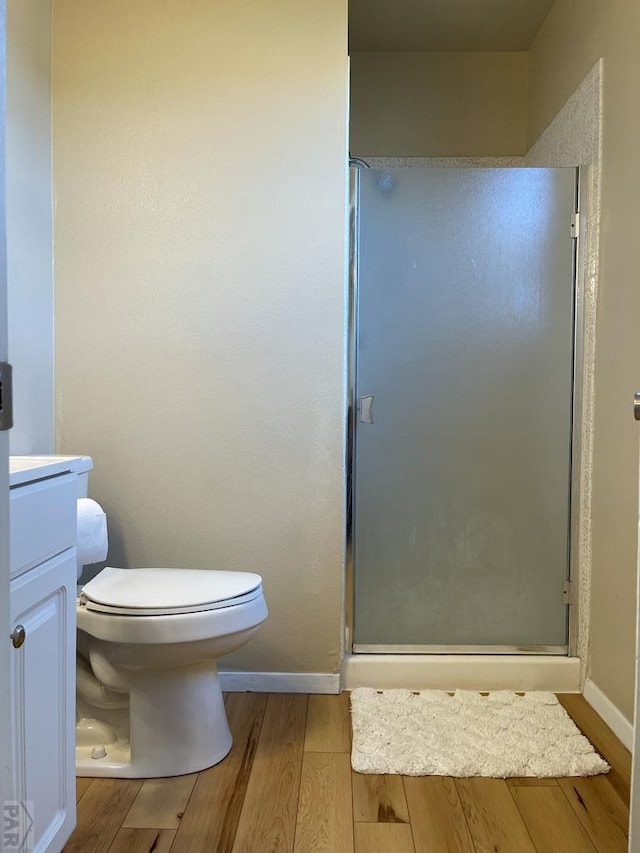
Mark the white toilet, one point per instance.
(148, 697)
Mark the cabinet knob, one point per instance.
(18, 636)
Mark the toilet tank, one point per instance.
(81, 467)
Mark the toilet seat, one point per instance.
(166, 592)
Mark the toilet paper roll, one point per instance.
(92, 541)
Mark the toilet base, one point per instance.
(178, 725)
(117, 764)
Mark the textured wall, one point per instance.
(575, 34)
(445, 162)
(29, 254)
(574, 137)
(438, 104)
(200, 179)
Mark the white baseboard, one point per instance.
(280, 682)
(465, 672)
(613, 717)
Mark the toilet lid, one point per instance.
(153, 592)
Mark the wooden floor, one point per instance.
(287, 786)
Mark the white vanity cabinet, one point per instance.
(42, 603)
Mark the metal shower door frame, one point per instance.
(574, 474)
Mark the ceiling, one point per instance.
(397, 25)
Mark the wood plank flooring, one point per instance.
(287, 786)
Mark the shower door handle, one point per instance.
(366, 409)
(636, 405)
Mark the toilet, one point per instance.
(149, 702)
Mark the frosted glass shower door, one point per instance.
(464, 379)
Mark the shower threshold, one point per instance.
(556, 673)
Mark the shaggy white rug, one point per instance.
(432, 733)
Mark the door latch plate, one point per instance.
(6, 396)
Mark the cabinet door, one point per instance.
(43, 713)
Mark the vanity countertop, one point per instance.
(26, 469)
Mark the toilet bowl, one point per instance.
(148, 696)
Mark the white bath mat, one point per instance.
(432, 733)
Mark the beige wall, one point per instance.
(572, 38)
(199, 175)
(438, 104)
(29, 256)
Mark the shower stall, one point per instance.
(462, 346)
